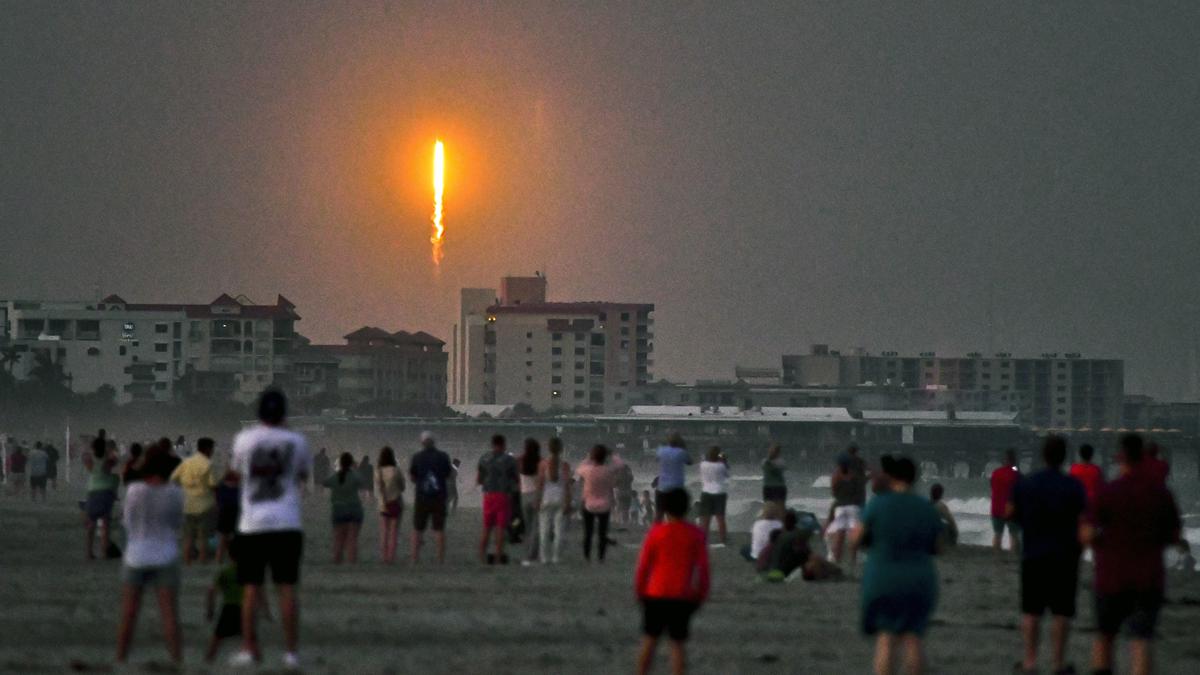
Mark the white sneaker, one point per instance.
(242, 659)
(526, 563)
(291, 661)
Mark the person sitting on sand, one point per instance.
(672, 582)
(153, 516)
(347, 509)
(769, 520)
(790, 550)
(949, 525)
(229, 621)
(899, 589)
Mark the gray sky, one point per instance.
(770, 175)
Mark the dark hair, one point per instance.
(204, 444)
(904, 470)
(1086, 451)
(1152, 449)
(1054, 450)
(675, 440)
(272, 407)
(158, 462)
(1131, 448)
(531, 457)
(498, 439)
(1010, 457)
(598, 454)
(135, 450)
(675, 502)
(345, 463)
(936, 491)
(387, 457)
(790, 519)
(99, 445)
(714, 454)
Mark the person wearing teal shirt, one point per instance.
(102, 492)
(900, 533)
(344, 487)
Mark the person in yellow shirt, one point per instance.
(195, 475)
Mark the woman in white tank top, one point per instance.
(554, 495)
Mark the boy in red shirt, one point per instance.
(672, 581)
(1003, 481)
(1088, 473)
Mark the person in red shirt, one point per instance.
(1133, 520)
(1003, 480)
(1088, 473)
(672, 581)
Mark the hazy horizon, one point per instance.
(945, 177)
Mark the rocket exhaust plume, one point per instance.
(439, 183)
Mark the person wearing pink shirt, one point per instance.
(599, 475)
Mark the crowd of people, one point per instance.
(177, 509)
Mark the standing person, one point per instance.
(131, 471)
(497, 475)
(949, 525)
(531, 459)
(673, 459)
(39, 464)
(899, 589)
(52, 456)
(389, 493)
(272, 462)
(452, 486)
(228, 498)
(672, 582)
(774, 485)
(1155, 465)
(1047, 505)
(554, 495)
(1133, 520)
(1004, 478)
(322, 467)
(1086, 472)
(16, 470)
(366, 475)
(599, 477)
(153, 515)
(102, 492)
(848, 484)
(195, 475)
(345, 502)
(625, 494)
(646, 508)
(714, 489)
(430, 471)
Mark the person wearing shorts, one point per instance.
(714, 489)
(273, 463)
(153, 514)
(497, 476)
(1130, 523)
(432, 474)
(195, 475)
(673, 460)
(672, 581)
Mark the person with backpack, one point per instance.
(430, 471)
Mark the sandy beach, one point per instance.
(60, 612)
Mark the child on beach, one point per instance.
(647, 508)
(228, 496)
(229, 621)
(672, 581)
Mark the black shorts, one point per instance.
(774, 493)
(229, 623)
(429, 508)
(1049, 584)
(1138, 610)
(673, 616)
(281, 551)
(712, 504)
(37, 482)
(227, 520)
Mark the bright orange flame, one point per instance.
(439, 184)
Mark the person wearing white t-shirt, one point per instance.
(770, 520)
(273, 463)
(153, 515)
(714, 489)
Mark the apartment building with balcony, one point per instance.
(379, 368)
(516, 347)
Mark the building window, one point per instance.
(529, 336)
(597, 339)
(579, 365)
(579, 394)
(557, 365)
(529, 378)
(579, 379)
(624, 330)
(624, 316)
(93, 351)
(580, 351)
(121, 350)
(161, 328)
(160, 367)
(557, 337)
(529, 364)
(556, 351)
(556, 379)
(161, 347)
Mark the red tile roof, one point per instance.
(281, 310)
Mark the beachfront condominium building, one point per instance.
(1063, 391)
(399, 372)
(515, 347)
(228, 349)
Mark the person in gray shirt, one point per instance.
(498, 477)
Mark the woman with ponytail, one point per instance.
(554, 496)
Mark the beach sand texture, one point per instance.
(60, 612)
